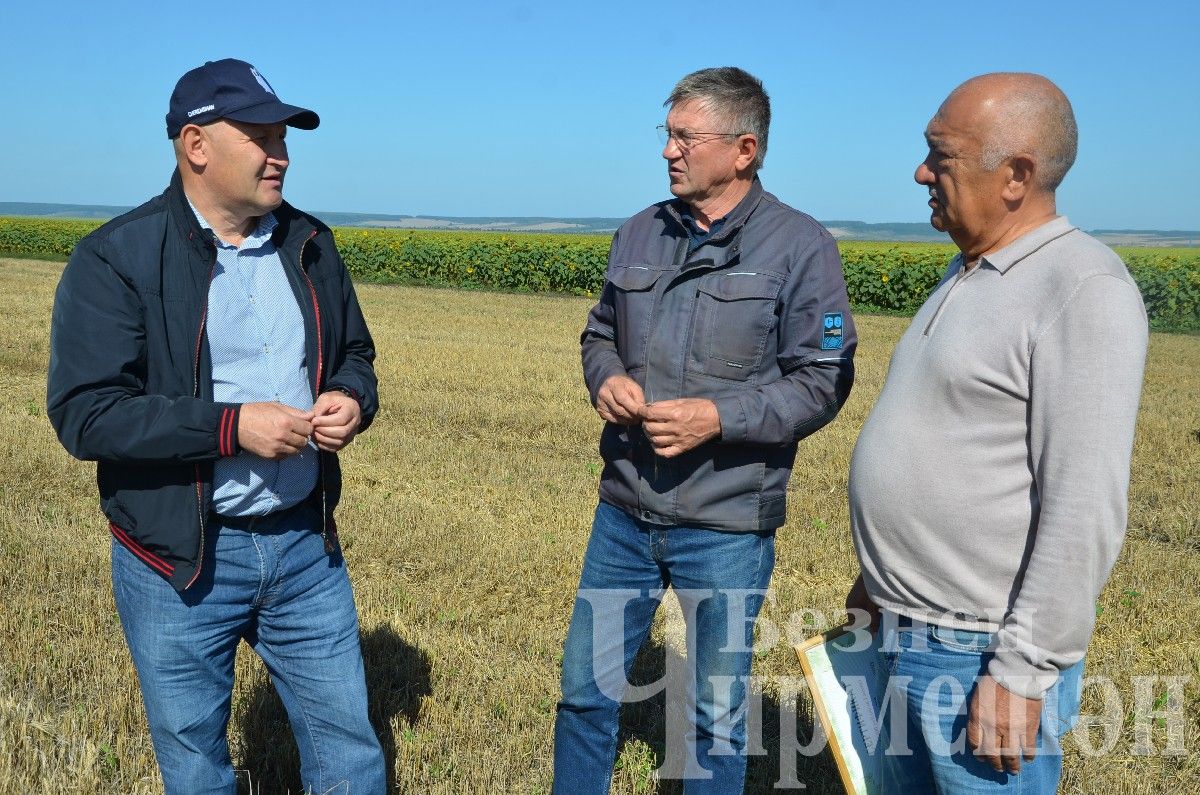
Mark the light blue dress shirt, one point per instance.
(256, 340)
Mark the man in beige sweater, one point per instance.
(988, 487)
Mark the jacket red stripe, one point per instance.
(147, 557)
(225, 443)
(317, 314)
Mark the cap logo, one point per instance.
(198, 111)
(262, 81)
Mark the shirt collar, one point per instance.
(689, 220)
(1028, 243)
(733, 219)
(257, 238)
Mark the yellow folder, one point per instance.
(842, 670)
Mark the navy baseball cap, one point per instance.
(231, 89)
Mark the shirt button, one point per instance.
(646, 515)
(266, 349)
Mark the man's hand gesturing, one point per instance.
(620, 400)
(676, 426)
(336, 420)
(272, 430)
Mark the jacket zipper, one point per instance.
(196, 393)
(678, 259)
(312, 290)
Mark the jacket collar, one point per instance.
(734, 220)
(293, 226)
(180, 214)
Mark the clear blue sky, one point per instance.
(540, 108)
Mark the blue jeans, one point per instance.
(933, 671)
(720, 579)
(276, 588)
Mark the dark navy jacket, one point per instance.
(130, 382)
(755, 319)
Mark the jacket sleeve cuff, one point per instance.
(604, 373)
(345, 390)
(734, 427)
(1017, 675)
(227, 429)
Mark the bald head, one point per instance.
(1020, 113)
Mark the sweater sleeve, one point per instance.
(95, 393)
(1085, 384)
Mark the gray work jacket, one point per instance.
(755, 319)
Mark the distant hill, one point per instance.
(100, 212)
(87, 212)
(894, 233)
(486, 223)
(842, 230)
(1143, 237)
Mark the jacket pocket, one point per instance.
(735, 317)
(614, 442)
(633, 298)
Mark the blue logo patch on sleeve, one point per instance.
(831, 340)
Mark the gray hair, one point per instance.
(733, 94)
(1034, 116)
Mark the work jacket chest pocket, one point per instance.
(735, 321)
(633, 304)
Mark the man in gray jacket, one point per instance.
(988, 487)
(722, 337)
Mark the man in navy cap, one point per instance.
(208, 351)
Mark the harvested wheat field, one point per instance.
(465, 516)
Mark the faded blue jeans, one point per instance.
(720, 579)
(277, 589)
(933, 671)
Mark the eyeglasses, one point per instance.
(687, 140)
